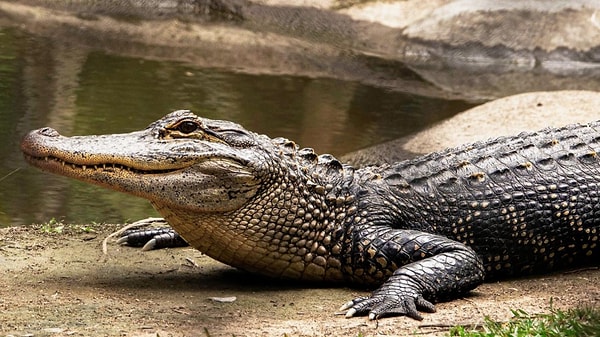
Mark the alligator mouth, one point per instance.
(54, 163)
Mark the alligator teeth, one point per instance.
(109, 167)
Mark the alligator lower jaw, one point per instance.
(59, 166)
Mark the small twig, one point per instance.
(112, 235)
(575, 271)
(10, 173)
(139, 223)
(435, 325)
(192, 262)
(181, 311)
(428, 328)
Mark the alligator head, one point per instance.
(181, 160)
(242, 198)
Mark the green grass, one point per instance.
(53, 226)
(59, 227)
(581, 322)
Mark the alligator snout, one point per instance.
(33, 141)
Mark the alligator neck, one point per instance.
(293, 228)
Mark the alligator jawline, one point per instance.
(107, 167)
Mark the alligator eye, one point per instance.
(187, 127)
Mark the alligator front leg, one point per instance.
(158, 237)
(430, 268)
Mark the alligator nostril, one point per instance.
(49, 132)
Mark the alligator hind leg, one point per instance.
(151, 238)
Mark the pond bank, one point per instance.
(61, 284)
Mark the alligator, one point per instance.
(419, 231)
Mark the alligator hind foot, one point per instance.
(151, 238)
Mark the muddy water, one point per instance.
(81, 91)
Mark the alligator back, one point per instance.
(525, 204)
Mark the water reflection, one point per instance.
(80, 91)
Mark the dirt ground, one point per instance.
(61, 284)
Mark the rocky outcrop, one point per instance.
(475, 50)
(501, 117)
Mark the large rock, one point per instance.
(484, 33)
(470, 49)
(502, 117)
(491, 49)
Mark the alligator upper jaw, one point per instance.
(119, 161)
(92, 155)
(60, 166)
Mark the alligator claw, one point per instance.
(351, 303)
(150, 245)
(153, 238)
(382, 305)
(122, 240)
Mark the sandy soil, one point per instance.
(61, 284)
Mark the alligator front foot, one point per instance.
(152, 238)
(389, 300)
(432, 268)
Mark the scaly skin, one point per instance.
(423, 230)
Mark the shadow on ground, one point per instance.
(56, 284)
